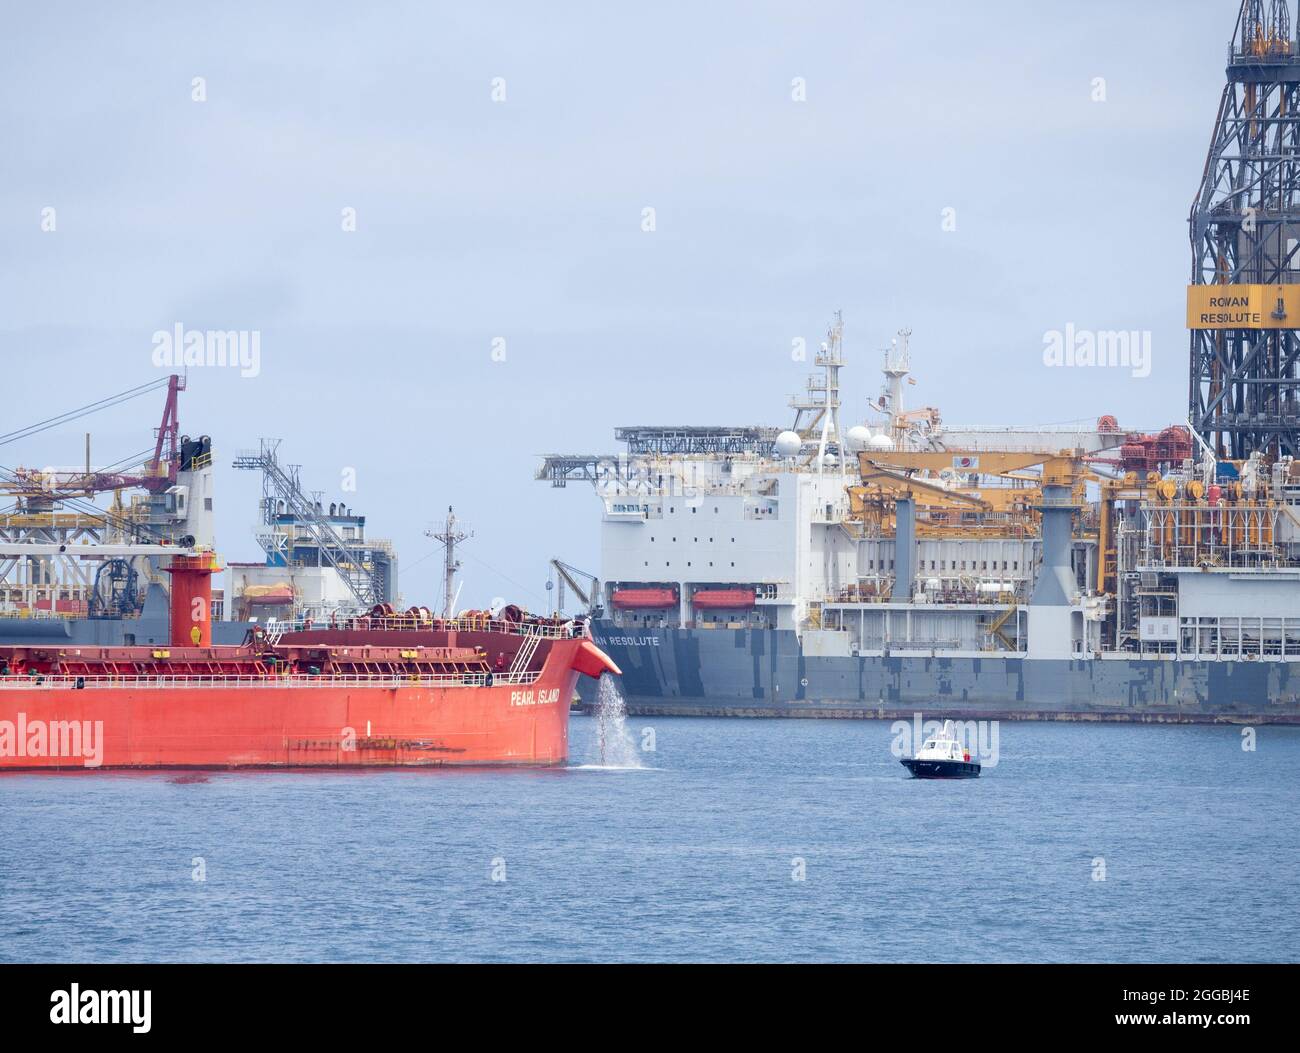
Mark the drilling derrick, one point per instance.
(1243, 307)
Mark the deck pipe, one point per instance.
(904, 549)
(191, 607)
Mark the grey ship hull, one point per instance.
(764, 673)
(151, 627)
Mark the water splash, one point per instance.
(615, 745)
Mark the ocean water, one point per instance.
(695, 856)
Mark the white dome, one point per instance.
(788, 444)
(882, 442)
(858, 438)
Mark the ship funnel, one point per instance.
(191, 608)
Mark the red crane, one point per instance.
(159, 472)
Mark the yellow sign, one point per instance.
(1243, 307)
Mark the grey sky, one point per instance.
(521, 220)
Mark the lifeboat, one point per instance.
(723, 599)
(644, 599)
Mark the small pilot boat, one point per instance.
(942, 756)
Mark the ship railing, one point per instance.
(25, 614)
(28, 682)
(414, 623)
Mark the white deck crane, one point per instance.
(571, 577)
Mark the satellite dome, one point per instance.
(882, 442)
(788, 444)
(858, 438)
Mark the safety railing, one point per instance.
(27, 682)
(26, 614)
(413, 623)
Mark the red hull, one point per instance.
(295, 722)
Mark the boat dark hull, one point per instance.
(939, 769)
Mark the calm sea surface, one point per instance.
(691, 858)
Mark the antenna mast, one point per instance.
(449, 537)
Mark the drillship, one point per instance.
(900, 565)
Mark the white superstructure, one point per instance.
(756, 527)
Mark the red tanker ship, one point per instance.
(384, 690)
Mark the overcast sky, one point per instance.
(521, 221)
